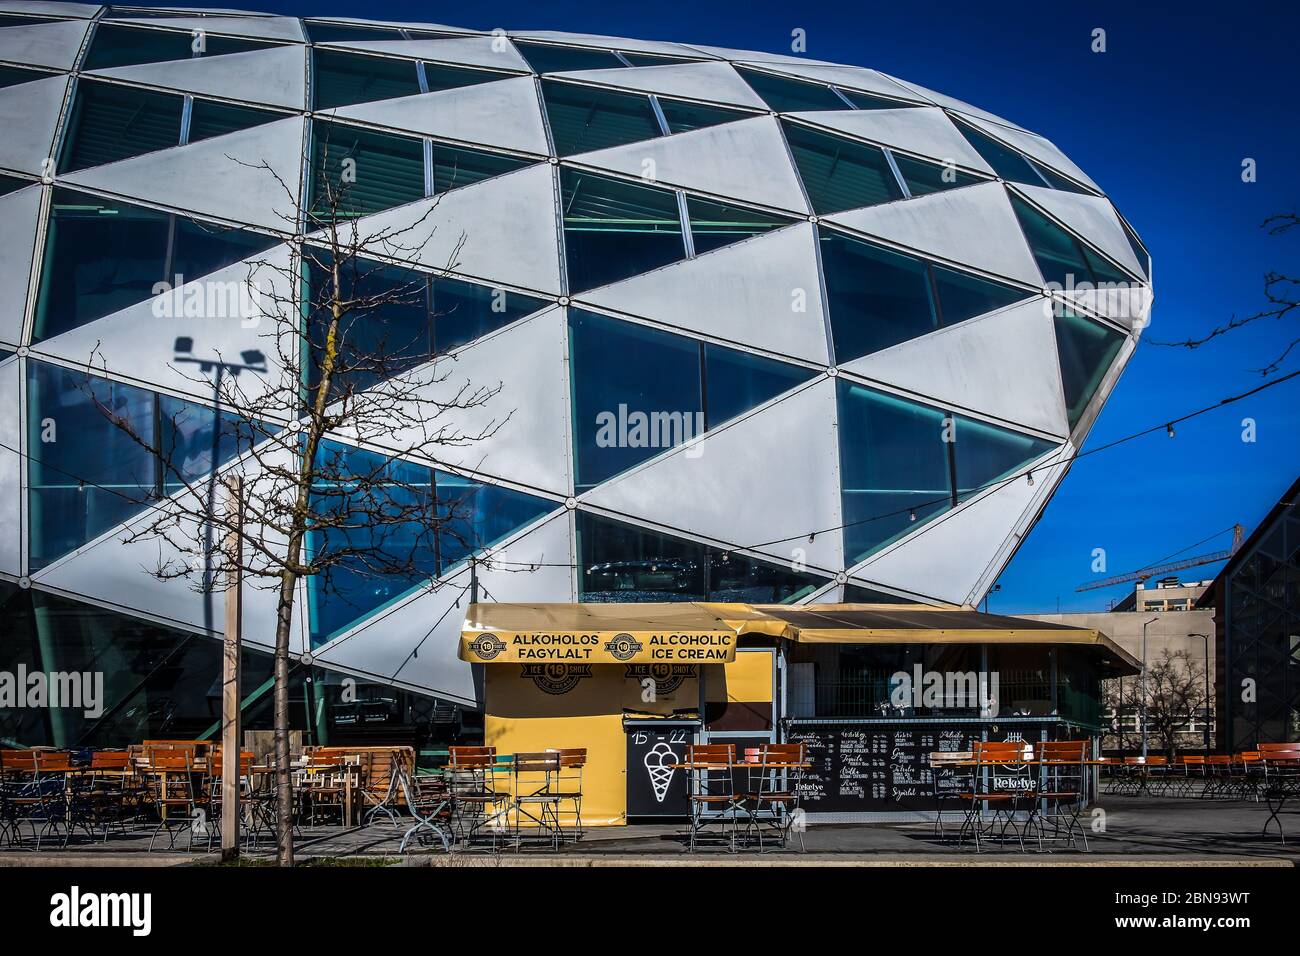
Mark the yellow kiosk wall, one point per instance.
(521, 716)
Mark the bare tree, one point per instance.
(1282, 293)
(314, 507)
(1175, 698)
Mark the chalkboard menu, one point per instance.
(654, 787)
(871, 768)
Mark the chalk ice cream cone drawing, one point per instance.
(658, 762)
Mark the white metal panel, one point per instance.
(519, 433)
(1036, 146)
(19, 213)
(767, 475)
(470, 114)
(764, 292)
(54, 44)
(416, 642)
(1003, 364)
(949, 557)
(744, 160)
(138, 342)
(926, 131)
(1092, 217)
(499, 230)
(954, 104)
(710, 81)
(258, 28)
(29, 115)
(11, 495)
(218, 177)
(51, 8)
(275, 76)
(970, 225)
(490, 52)
(607, 43)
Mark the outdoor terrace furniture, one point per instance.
(327, 781)
(1281, 781)
(712, 797)
(1063, 790)
(479, 801)
(951, 775)
(771, 799)
(170, 779)
(573, 761)
(1005, 785)
(428, 800)
(537, 796)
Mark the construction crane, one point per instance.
(1151, 572)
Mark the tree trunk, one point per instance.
(283, 779)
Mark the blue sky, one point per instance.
(1162, 121)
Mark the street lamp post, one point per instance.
(1144, 687)
(1206, 728)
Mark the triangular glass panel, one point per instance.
(1057, 181)
(321, 32)
(858, 594)
(792, 96)
(79, 284)
(840, 173)
(439, 77)
(13, 75)
(737, 381)
(10, 184)
(895, 467)
(963, 296)
(1087, 350)
(111, 122)
(549, 58)
(587, 118)
(652, 59)
(627, 413)
(476, 515)
(620, 562)
(987, 454)
(210, 118)
(342, 79)
(614, 229)
(716, 224)
(682, 117)
(456, 166)
(923, 178)
(1006, 162)
(356, 171)
(113, 45)
(1064, 261)
(869, 101)
(408, 318)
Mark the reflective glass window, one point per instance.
(209, 118)
(923, 178)
(894, 467)
(1056, 180)
(839, 173)
(547, 58)
(474, 515)
(877, 298)
(439, 77)
(737, 381)
(868, 101)
(963, 296)
(341, 79)
(115, 45)
(192, 436)
(651, 59)
(792, 96)
(615, 229)
(455, 166)
(80, 283)
(683, 117)
(585, 118)
(1006, 162)
(111, 122)
(986, 454)
(13, 75)
(382, 544)
(622, 563)
(716, 224)
(319, 32)
(734, 577)
(385, 170)
(85, 473)
(858, 594)
(1087, 350)
(463, 311)
(636, 392)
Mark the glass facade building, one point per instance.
(749, 329)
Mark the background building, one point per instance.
(1167, 594)
(766, 328)
(1255, 600)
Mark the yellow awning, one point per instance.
(707, 632)
(678, 633)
